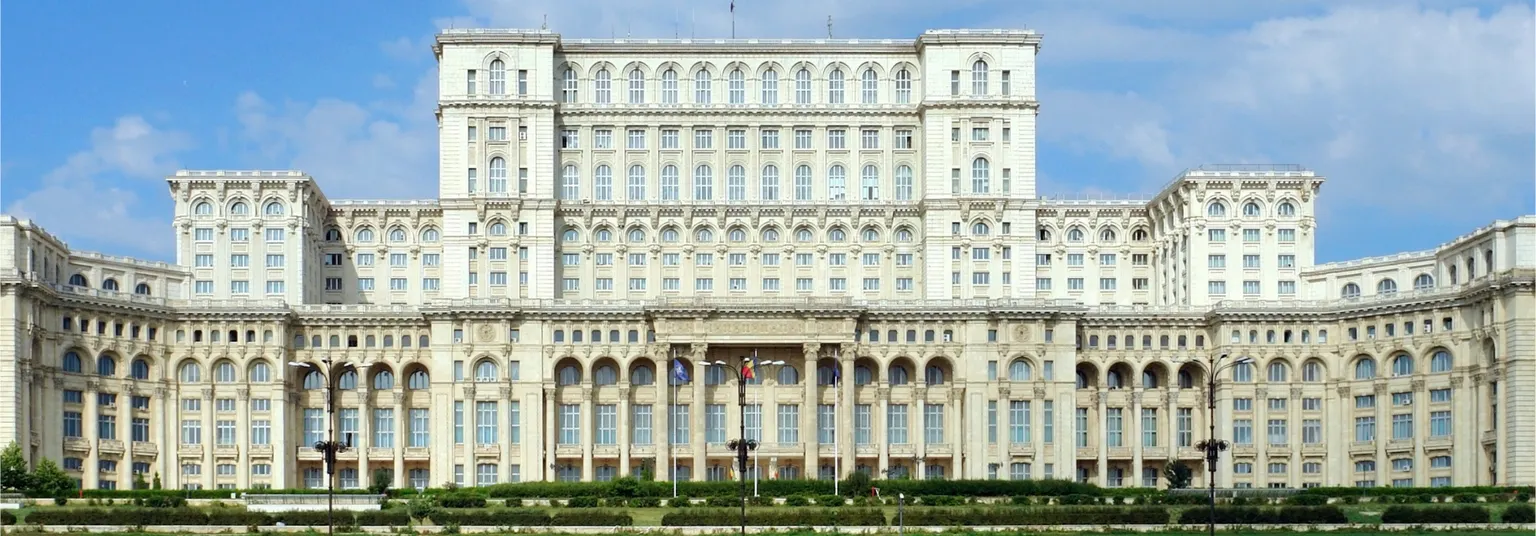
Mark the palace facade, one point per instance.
(613, 211)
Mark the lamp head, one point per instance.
(718, 363)
(298, 364)
(1243, 360)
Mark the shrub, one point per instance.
(1519, 513)
(461, 500)
(831, 500)
(1465, 498)
(582, 502)
(722, 501)
(779, 517)
(7, 518)
(680, 501)
(1306, 500)
(1248, 515)
(797, 500)
(645, 502)
(598, 518)
(951, 517)
(1435, 514)
(941, 500)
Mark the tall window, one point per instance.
(568, 86)
(837, 183)
(789, 423)
(570, 183)
(1018, 421)
(770, 86)
(802, 183)
(703, 183)
(981, 176)
(770, 183)
(636, 183)
(738, 87)
(498, 175)
(803, 86)
(903, 86)
(933, 423)
(602, 183)
(669, 87)
(669, 183)
(498, 77)
(636, 87)
(896, 424)
(701, 83)
(870, 183)
(603, 86)
(835, 87)
(979, 78)
(904, 186)
(570, 424)
(736, 183)
(869, 90)
(607, 424)
(485, 423)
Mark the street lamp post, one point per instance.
(329, 447)
(1211, 445)
(743, 445)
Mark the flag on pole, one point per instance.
(837, 374)
(733, 6)
(748, 368)
(679, 372)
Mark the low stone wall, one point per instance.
(691, 531)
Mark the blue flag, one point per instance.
(678, 371)
(837, 374)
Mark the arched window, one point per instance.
(704, 235)
(141, 289)
(803, 235)
(602, 85)
(365, 235)
(1365, 369)
(498, 175)
(1440, 362)
(224, 372)
(669, 235)
(1042, 234)
(981, 176)
(497, 229)
(261, 372)
(736, 87)
(1113, 380)
(981, 229)
(770, 235)
(770, 87)
(1386, 286)
(1286, 209)
(570, 182)
(106, 366)
(904, 183)
(1424, 282)
(397, 235)
(636, 186)
(78, 280)
(837, 234)
(899, 375)
(602, 183)
(837, 183)
(1351, 290)
(869, 87)
(903, 86)
(1074, 235)
(605, 375)
(789, 375)
(703, 183)
(1107, 235)
(1139, 235)
(862, 375)
(979, 78)
(109, 284)
(1251, 210)
(570, 235)
(933, 375)
(803, 185)
(485, 371)
(701, 89)
(418, 380)
(736, 183)
(1082, 380)
(347, 381)
(1243, 373)
(637, 236)
(384, 380)
(603, 235)
(738, 234)
(1020, 371)
(72, 363)
(333, 235)
(803, 86)
(190, 372)
(642, 375)
(1278, 372)
(273, 208)
(835, 87)
(636, 86)
(569, 87)
(202, 208)
(670, 183)
(313, 381)
(1216, 209)
(568, 375)
(903, 235)
(239, 208)
(1402, 365)
(870, 234)
(498, 77)
(1149, 380)
(1312, 371)
(139, 370)
(769, 183)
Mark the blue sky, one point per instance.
(1419, 113)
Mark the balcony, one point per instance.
(940, 449)
(226, 450)
(418, 453)
(488, 449)
(190, 449)
(605, 451)
(145, 448)
(1120, 453)
(1314, 450)
(109, 446)
(384, 453)
(1087, 453)
(1399, 446)
(867, 450)
(77, 444)
(265, 450)
(1362, 447)
(1279, 450)
(567, 450)
(642, 450)
(1154, 452)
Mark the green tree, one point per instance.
(381, 481)
(156, 484)
(857, 484)
(50, 481)
(13, 469)
(1178, 475)
(139, 482)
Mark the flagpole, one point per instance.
(733, 19)
(837, 401)
(757, 466)
(671, 398)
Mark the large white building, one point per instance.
(610, 208)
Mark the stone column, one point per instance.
(880, 426)
(505, 472)
(847, 450)
(1005, 430)
(957, 435)
(1136, 441)
(210, 436)
(90, 431)
(402, 438)
(1101, 402)
(810, 428)
(242, 439)
(1293, 429)
(364, 439)
(1383, 432)
(1466, 447)
(700, 444)
(282, 447)
(661, 417)
(1171, 421)
(1420, 432)
(1338, 432)
(588, 432)
(1261, 437)
(550, 413)
(621, 422)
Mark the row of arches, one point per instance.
(361, 341)
(1252, 208)
(397, 234)
(670, 83)
(1387, 286)
(640, 371)
(202, 208)
(771, 183)
(1107, 234)
(108, 284)
(379, 377)
(770, 233)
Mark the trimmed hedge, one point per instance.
(788, 488)
(461, 500)
(7, 518)
(206, 516)
(1436, 514)
(1519, 513)
(1060, 515)
(1253, 515)
(786, 517)
(1476, 491)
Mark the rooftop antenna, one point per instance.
(674, 23)
(693, 23)
(733, 19)
(545, 26)
(829, 26)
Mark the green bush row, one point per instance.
(500, 517)
(1068, 515)
(1479, 491)
(1250, 515)
(1438, 514)
(787, 517)
(624, 488)
(1519, 513)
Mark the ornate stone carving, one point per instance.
(811, 349)
(1343, 391)
(244, 393)
(485, 333)
(1295, 392)
(1003, 392)
(1039, 392)
(1418, 385)
(1457, 381)
(1380, 389)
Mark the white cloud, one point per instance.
(89, 200)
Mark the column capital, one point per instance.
(207, 393)
(1418, 384)
(1457, 381)
(1296, 392)
(1343, 391)
(1040, 391)
(698, 350)
(812, 350)
(244, 393)
(506, 392)
(1004, 391)
(399, 396)
(469, 391)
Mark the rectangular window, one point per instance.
(640, 424)
(896, 424)
(1018, 421)
(861, 424)
(789, 423)
(607, 424)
